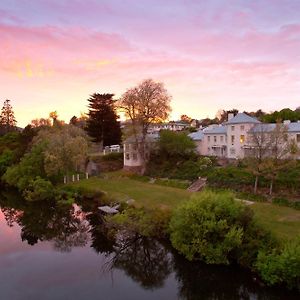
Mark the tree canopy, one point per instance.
(102, 124)
(7, 118)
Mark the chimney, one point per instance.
(230, 116)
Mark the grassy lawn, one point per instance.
(145, 194)
(284, 222)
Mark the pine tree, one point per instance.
(7, 118)
(102, 124)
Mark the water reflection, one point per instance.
(151, 264)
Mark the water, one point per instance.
(49, 252)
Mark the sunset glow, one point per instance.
(210, 54)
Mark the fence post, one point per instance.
(73, 177)
(78, 177)
(65, 179)
(87, 175)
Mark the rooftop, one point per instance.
(242, 118)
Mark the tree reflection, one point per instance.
(145, 260)
(67, 226)
(200, 281)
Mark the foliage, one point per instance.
(284, 114)
(281, 266)
(39, 189)
(147, 103)
(149, 223)
(30, 166)
(175, 144)
(177, 183)
(7, 118)
(102, 124)
(112, 156)
(6, 159)
(210, 227)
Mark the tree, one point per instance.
(185, 119)
(210, 227)
(102, 124)
(7, 118)
(147, 103)
(41, 122)
(176, 144)
(259, 139)
(281, 153)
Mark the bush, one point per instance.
(210, 227)
(175, 144)
(149, 223)
(112, 156)
(39, 190)
(280, 267)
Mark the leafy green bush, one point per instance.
(177, 183)
(112, 156)
(6, 159)
(280, 267)
(280, 201)
(149, 223)
(210, 227)
(175, 144)
(39, 189)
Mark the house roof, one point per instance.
(242, 118)
(217, 130)
(267, 127)
(149, 138)
(197, 136)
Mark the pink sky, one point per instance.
(210, 54)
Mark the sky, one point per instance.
(211, 55)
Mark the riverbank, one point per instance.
(283, 222)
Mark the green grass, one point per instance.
(284, 222)
(147, 195)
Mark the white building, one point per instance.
(232, 138)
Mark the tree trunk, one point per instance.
(271, 187)
(255, 184)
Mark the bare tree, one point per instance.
(260, 144)
(147, 103)
(282, 153)
(270, 152)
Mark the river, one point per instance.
(66, 252)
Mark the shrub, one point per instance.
(210, 227)
(282, 266)
(149, 223)
(39, 190)
(112, 156)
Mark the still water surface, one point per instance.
(52, 252)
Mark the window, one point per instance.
(242, 127)
(232, 151)
(232, 139)
(242, 139)
(134, 156)
(232, 128)
(208, 138)
(127, 156)
(215, 139)
(298, 138)
(222, 138)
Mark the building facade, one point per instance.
(233, 139)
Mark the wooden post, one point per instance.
(87, 175)
(78, 177)
(65, 179)
(73, 177)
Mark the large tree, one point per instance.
(147, 103)
(7, 118)
(102, 124)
